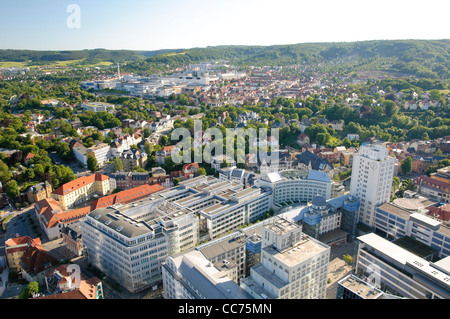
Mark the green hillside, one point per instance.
(422, 58)
(87, 57)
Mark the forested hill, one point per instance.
(422, 58)
(89, 56)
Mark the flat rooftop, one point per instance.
(360, 287)
(281, 226)
(302, 251)
(120, 223)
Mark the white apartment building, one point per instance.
(101, 152)
(371, 181)
(97, 106)
(293, 265)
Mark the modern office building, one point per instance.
(294, 186)
(129, 251)
(294, 265)
(192, 276)
(393, 222)
(371, 181)
(222, 206)
(332, 221)
(129, 241)
(400, 272)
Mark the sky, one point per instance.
(177, 24)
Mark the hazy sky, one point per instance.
(169, 24)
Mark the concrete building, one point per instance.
(101, 152)
(294, 186)
(371, 181)
(97, 106)
(352, 287)
(400, 272)
(394, 222)
(193, 276)
(294, 265)
(80, 154)
(129, 242)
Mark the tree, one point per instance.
(148, 148)
(406, 165)
(29, 174)
(5, 173)
(390, 108)
(201, 171)
(12, 189)
(118, 164)
(30, 290)
(348, 259)
(92, 163)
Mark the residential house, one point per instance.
(190, 169)
(303, 139)
(61, 283)
(166, 152)
(133, 158)
(14, 249)
(35, 263)
(39, 191)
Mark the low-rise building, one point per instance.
(97, 106)
(63, 283)
(15, 248)
(39, 192)
(35, 263)
(81, 190)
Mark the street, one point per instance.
(338, 267)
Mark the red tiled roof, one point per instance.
(78, 183)
(443, 212)
(54, 215)
(127, 196)
(432, 182)
(36, 259)
(16, 241)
